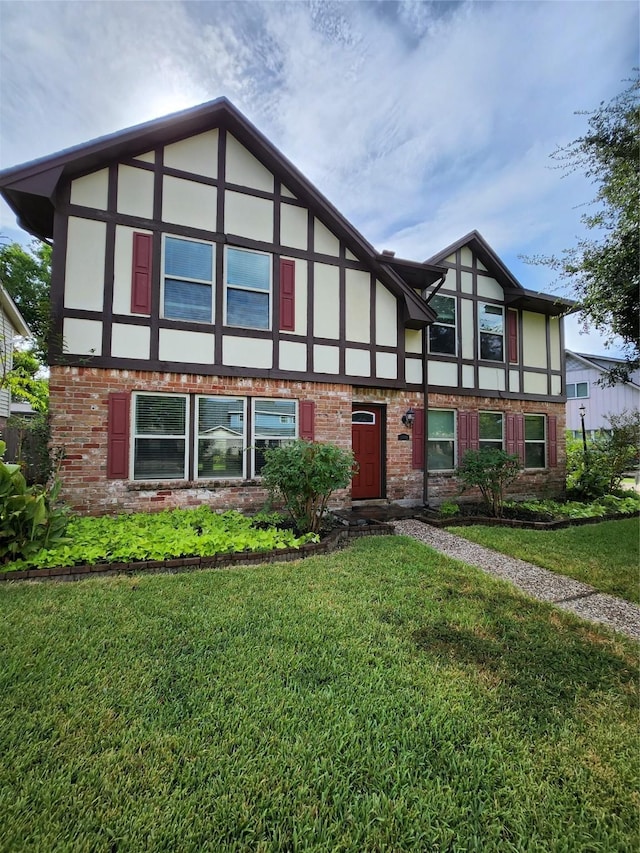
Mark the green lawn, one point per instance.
(383, 698)
(605, 555)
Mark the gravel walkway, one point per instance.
(564, 592)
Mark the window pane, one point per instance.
(220, 457)
(247, 308)
(248, 269)
(439, 455)
(491, 319)
(186, 301)
(220, 417)
(440, 424)
(187, 259)
(571, 391)
(534, 427)
(274, 419)
(490, 425)
(159, 459)
(534, 455)
(442, 339)
(445, 306)
(161, 415)
(491, 347)
(582, 389)
(363, 418)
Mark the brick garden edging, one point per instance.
(487, 521)
(216, 561)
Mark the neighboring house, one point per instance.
(12, 325)
(583, 383)
(210, 303)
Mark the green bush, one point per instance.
(448, 509)
(29, 519)
(600, 469)
(304, 475)
(491, 471)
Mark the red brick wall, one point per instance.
(547, 483)
(78, 405)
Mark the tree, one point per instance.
(605, 269)
(24, 383)
(27, 277)
(490, 470)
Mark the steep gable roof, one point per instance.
(30, 189)
(516, 296)
(601, 363)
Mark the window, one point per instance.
(188, 280)
(491, 323)
(577, 389)
(363, 418)
(534, 441)
(440, 440)
(442, 333)
(221, 437)
(248, 289)
(274, 424)
(160, 426)
(490, 430)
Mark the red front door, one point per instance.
(366, 441)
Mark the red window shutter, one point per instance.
(118, 437)
(511, 434)
(287, 296)
(307, 420)
(417, 442)
(519, 423)
(552, 437)
(474, 442)
(141, 274)
(463, 435)
(512, 333)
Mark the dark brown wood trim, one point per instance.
(110, 242)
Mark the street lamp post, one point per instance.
(583, 412)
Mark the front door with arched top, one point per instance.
(366, 438)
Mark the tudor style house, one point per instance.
(209, 303)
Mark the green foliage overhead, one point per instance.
(26, 274)
(491, 471)
(304, 475)
(29, 519)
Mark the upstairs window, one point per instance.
(491, 327)
(188, 280)
(442, 333)
(577, 389)
(248, 289)
(490, 430)
(274, 424)
(441, 450)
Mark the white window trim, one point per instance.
(535, 440)
(499, 443)
(269, 292)
(197, 436)
(453, 326)
(576, 396)
(486, 332)
(211, 283)
(296, 414)
(371, 415)
(135, 435)
(455, 441)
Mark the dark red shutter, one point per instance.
(118, 437)
(287, 296)
(417, 445)
(307, 420)
(512, 332)
(519, 424)
(511, 434)
(552, 438)
(474, 442)
(141, 274)
(463, 435)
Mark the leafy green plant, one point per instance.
(304, 474)
(491, 471)
(599, 470)
(627, 504)
(29, 519)
(448, 509)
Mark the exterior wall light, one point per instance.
(408, 417)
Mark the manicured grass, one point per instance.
(605, 555)
(382, 698)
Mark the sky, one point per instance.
(419, 121)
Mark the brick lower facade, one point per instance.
(79, 406)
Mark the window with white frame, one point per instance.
(247, 289)
(274, 423)
(160, 430)
(442, 333)
(577, 389)
(440, 440)
(490, 430)
(221, 438)
(534, 441)
(491, 328)
(187, 280)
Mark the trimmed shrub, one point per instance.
(491, 471)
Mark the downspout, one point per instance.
(425, 475)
